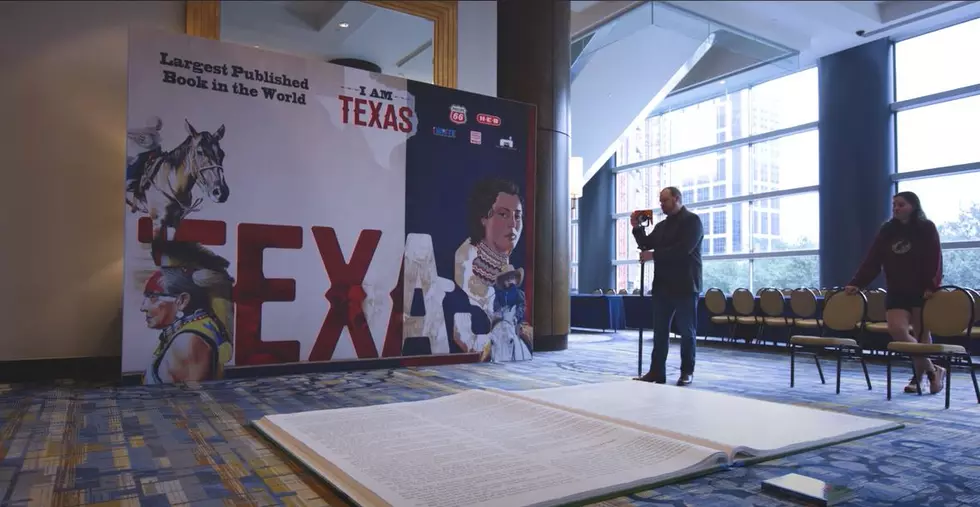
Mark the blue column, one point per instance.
(857, 155)
(597, 231)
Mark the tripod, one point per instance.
(643, 295)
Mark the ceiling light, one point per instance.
(722, 81)
(343, 24)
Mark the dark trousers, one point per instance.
(682, 311)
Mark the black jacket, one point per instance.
(676, 244)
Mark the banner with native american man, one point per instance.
(285, 211)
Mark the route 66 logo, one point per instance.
(457, 114)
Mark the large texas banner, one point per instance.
(281, 210)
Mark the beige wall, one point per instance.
(62, 136)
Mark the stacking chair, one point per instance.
(743, 302)
(803, 303)
(842, 313)
(950, 312)
(717, 305)
(876, 324)
(773, 306)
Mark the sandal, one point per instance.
(912, 388)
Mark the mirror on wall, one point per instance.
(356, 34)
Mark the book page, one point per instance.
(482, 449)
(732, 423)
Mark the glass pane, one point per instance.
(790, 222)
(628, 277)
(785, 102)
(703, 124)
(960, 267)
(934, 62)
(785, 163)
(726, 275)
(621, 192)
(625, 244)
(938, 135)
(951, 202)
(573, 278)
(786, 272)
(574, 245)
(710, 177)
(638, 189)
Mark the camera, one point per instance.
(859, 33)
(643, 216)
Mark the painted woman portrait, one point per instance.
(189, 303)
(495, 218)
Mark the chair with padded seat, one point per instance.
(876, 324)
(717, 304)
(842, 313)
(772, 302)
(951, 313)
(743, 302)
(803, 304)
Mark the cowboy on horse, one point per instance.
(150, 140)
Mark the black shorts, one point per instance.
(903, 301)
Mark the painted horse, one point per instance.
(172, 181)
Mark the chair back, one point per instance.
(743, 302)
(877, 306)
(772, 302)
(715, 301)
(949, 312)
(976, 303)
(844, 312)
(803, 302)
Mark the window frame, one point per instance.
(749, 197)
(933, 99)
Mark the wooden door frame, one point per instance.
(203, 19)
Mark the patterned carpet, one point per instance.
(186, 445)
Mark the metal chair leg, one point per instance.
(973, 374)
(949, 377)
(816, 359)
(792, 368)
(839, 352)
(864, 366)
(888, 374)
(917, 377)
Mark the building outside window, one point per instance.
(938, 144)
(747, 163)
(573, 251)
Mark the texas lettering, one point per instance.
(368, 112)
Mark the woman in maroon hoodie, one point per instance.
(907, 249)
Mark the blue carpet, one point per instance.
(186, 445)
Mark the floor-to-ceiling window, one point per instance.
(937, 93)
(746, 161)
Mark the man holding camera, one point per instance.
(675, 247)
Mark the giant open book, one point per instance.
(546, 447)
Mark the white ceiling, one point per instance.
(820, 28)
(398, 43)
(402, 45)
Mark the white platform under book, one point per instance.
(547, 447)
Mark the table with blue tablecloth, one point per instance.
(598, 311)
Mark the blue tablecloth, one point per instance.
(595, 311)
